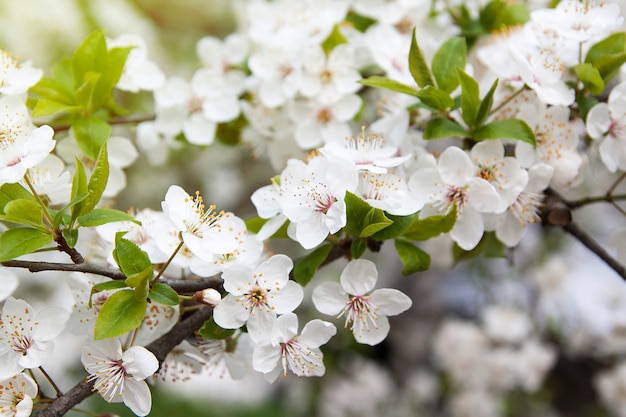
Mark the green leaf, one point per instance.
(443, 128)
(399, 226)
(97, 181)
(590, 77)
(10, 192)
(21, 241)
(357, 248)
(119, 314)
(141, 282)
(375, 220)
(105, 286)
(335, 38)
(130, 258)
(24, 211)
(210, 330)
(435, 98)
(70, 236)
(450, 56)
(432, 226)
(305, 269)
(255, 224)
(609, 65)
(611, 45)
(115, 65)
(485, 105)
(418, 65)
(90, 56)
(470, 98)
(86, 92)
(514, 14)
(506, 129)
(79, 190)
(413, 258)
(585, 103)
(163, 294)
(91, 134)
(48, 107)
(99, 216)
(388, 84)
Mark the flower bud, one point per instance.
(208, 296)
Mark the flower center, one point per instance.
(325, 115)
(361, 312)
(299, 358)
(201, 216)
(526, 207)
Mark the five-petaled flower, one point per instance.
(16, 396)
(366, 313)
(26, 337)
(119, 376)
(284, 350)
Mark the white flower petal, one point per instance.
(359, 277)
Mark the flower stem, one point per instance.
(167, 263)
(58, 392)
(46, 213)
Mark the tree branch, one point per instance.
(160, 347)
(557, 212)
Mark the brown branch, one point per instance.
(34, 266)
(557, 212)
(160, 347)
(62, 245)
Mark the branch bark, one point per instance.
(160, 347)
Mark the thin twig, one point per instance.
(160, 347)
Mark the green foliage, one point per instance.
(360, 22)
(357, 248)
(335, 38)
(79, 191)
(413, 258)
(254, 225)
(25, 212)
(608, 55)
(494, 16)
(470, 99)
(489, 246)
(363, 219)
(418, 65)
(399, 226)
(435, 98)
(590, 77)
(134, 264)
(432, 226)
(21, 241)
(104, 215)
(94, 188)
(305, 269)
(91, 133)
(389, 84)
(210, 330)
(506, 129)
(485, 105)
(163, 294)
(120, 313)
(10, 192)
(450, 56)
(439, 128)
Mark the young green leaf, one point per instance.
(485, 105)
(470, 98)
(357, 248)
(141, 282)
(375, 220)
(14, 191)
(105, 286)
(611, 45)
(388, 84)
(130, 258)
(608, 66)
(21, 241)
(86, 92)
(163, 294)
(506, 129)
(413, 258)
(91, 134)
(305, 269)
(418, 65)
(439, 128)
(90, 56)
(335, 38)
(97, 181)
(590, 77)
(24, 211)
(70, 236)
(399, 226)
(432, 226)
(120, 313)
(104, 215)
(450, 56)
(79, 191)
(435, 98)
(48, 107)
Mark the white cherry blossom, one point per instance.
(16, 396)
(330, 77)
(49, 178)
(119, 375)
(365, 309)
(22, 145)
(139, 72)
(26, 337)
(16, 78)
(257, 295)
(606, 122)
(388, 192)
(285, 350)
(452, 181)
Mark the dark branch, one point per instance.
(557, 212)
(85, 267)
(63, 246)
(160, 347)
